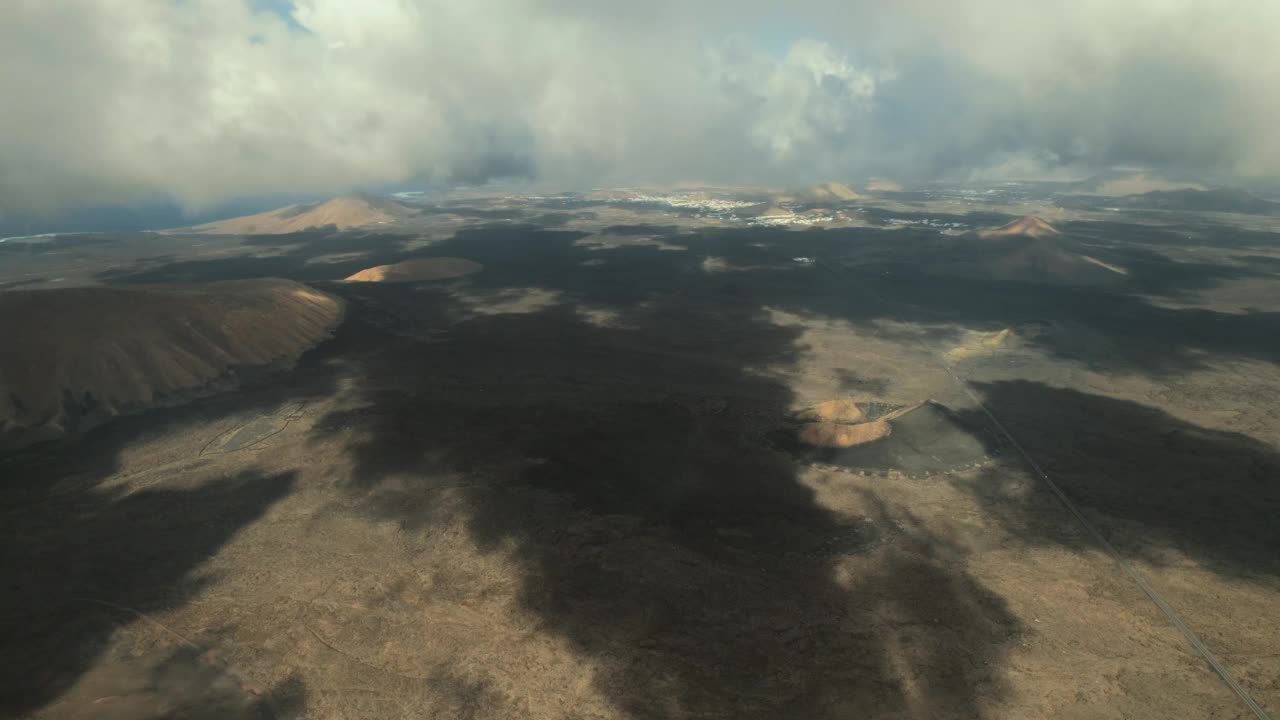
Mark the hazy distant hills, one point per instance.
(1218, 200)
(161, 215)
(150, 216)
(832, 192)
(1116, 184)
(342, 213)
(1223, 200)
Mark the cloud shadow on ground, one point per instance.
(83, 560)
(1151, 481)
(626, 468)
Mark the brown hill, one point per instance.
(1025, 250)
(1022, 259)
(842, 435)
(1132, 184)
(343, 213)
(418, 270)
(838, 424)
(917, 440)
(843, 410)
(1030, 226)
(978, 344)
(1043, 260)
(833, 191)
(77, 356)
(775, 211)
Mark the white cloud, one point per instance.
(115, 100)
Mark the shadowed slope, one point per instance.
(1044, 260)
(1025, 258)
(84, 354)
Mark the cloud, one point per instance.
(112, 101)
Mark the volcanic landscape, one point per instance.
(835, 452)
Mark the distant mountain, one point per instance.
(773, 211)
(1039, 260)
(879, 184)
(827, 193)
(1029, 226)
(1232, 200)
(148, 216)
(343, 213)
(1027, 250)
(1220, 200)
(832, 191)
(1117, 184)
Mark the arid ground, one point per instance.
(574, 482)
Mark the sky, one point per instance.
(201, 101)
